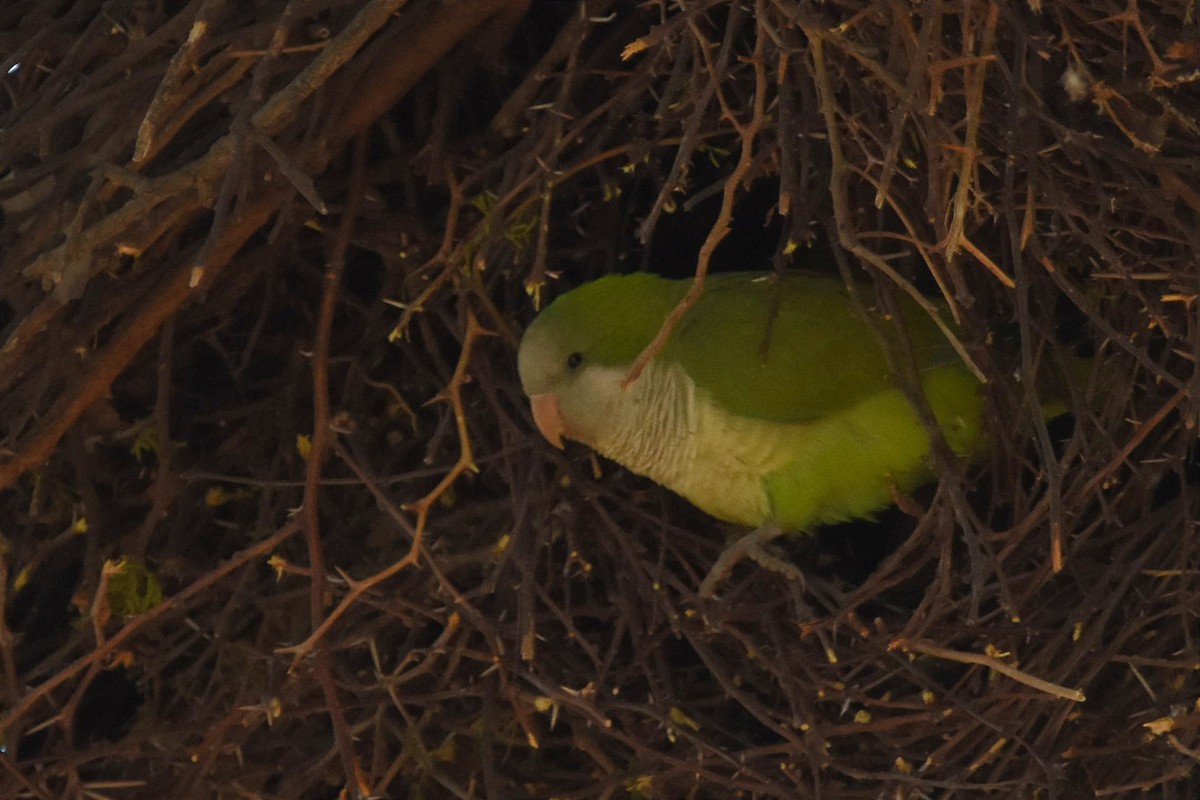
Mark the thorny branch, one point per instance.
(322, 433)
(733, 184)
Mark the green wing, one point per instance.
(812, 357)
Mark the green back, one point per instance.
(815, 356)
(787, 348)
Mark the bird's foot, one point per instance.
(753, 547)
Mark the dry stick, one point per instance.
(231, 75)
(1096, 317)
(508, 119)
(719, 70)
(536, 277)
(1138, 437)
(63, 95)
(108, 364)
(912, 239)
(236, 174)
(213, 744)
(688, 140)
(916, 77)
(163, 192)
(395, 79)
(14, 349)
(166, 482)
(1014, 537)
(970, 149)
(553, 134)
(142, 621)
(841, 205)
(987, 262)
(10, 678)
(1142, 788)
(10, 766)
(532, 284)
(1017, 238)
(443, 255)
(720, 228)
(280, 110)
(847, 237)
(849, 240)
(177, 190)
(464, 463)
(686, 143)
(483, 626)
(413, 50)
(99, 614)
(453, 394)
(318, 583)
(930, 649)
(182, 65)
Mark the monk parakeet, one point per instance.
(770, 404)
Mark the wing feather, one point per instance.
(790, 350)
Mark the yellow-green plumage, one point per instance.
(770, 403)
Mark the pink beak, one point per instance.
(548, 417)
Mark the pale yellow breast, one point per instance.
(669, 431)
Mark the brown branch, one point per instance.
(720, 228)
(842, 214)
(164, 106)
(321, 436)
(930, 649)
(687, 143)
(464, 464)
(443, 256)
(143, 621)
(966, 172)
(411, 50)
(453, 394)
(569, 39)
(103, 368)
(420, 50)
(166, 482)
(357, 588)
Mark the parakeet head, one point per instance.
(574, 356)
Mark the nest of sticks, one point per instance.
(275, 520)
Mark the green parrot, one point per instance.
(771, 405)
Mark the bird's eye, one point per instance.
(574, 360)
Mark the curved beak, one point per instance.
(548, 417)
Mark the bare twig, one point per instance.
(720, 228)
(929, 649)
